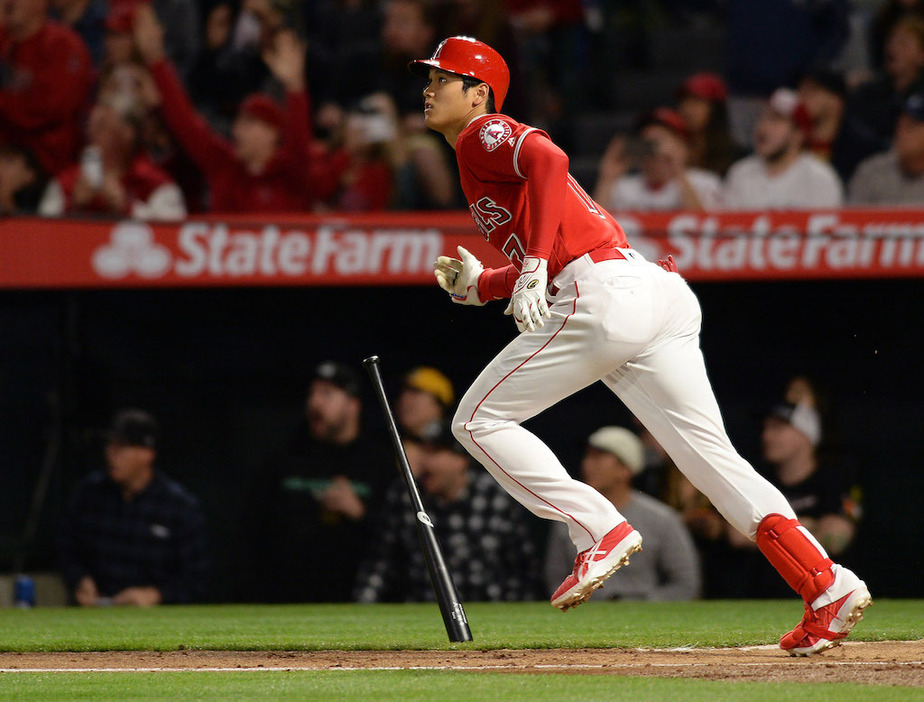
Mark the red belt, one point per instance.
(597, 256)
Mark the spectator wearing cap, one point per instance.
(426, 397)
(486, 535)
(835, 135)
(131, 535)
(115, 177)
(897, 176)
(702, 101)
(269, 164)
(780, 174)
(312, 503)
(819, 485)
(668, 566)
(650, 171)
(47, 79)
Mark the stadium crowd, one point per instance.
(159, 108)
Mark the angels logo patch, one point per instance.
(494, 133)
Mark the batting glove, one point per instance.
(527, 303)
(459, 277)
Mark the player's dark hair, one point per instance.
(469, 82)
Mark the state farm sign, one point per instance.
(212, 252)
(399, 248)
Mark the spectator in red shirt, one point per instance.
(47, 78)
(115, 177)
(267, 166)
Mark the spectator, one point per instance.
(886, 17)
(780, 175)
(877, 104)
(118, 45)
(552, 39)
(223, 73)
(800, 460)
(22, 180)
(425, 400)
(409, 30)
(773, 42)
(668, 567)
(86, 18)
(367, 180)
(268, 166)
(664, 181)
(115, 177)
(897, 176)
(702, 102)
(131, 535)
(180, 20)
(835, 136)
(47, 77)
(485, 534)
(311, 505)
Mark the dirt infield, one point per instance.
(880, 663)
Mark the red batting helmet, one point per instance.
(466, 56)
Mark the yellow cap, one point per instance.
(430, 380)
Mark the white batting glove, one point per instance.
(527, 303)
(459, 277)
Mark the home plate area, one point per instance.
(873, 663)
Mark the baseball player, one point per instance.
(591, 308)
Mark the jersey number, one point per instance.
(513, 249)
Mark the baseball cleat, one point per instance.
(825, 627)
(593, 566)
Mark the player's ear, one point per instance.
(482, 90)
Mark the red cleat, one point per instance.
(825, 627)
(593, 566)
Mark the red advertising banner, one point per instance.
(399, 248)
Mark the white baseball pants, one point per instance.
(636, 327)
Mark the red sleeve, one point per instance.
(497, 283)
(62, 77)
(205, 147)
(545, 167)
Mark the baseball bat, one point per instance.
(440, 578)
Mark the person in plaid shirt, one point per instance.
(131, 535)
(486, 536)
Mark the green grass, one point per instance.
(419, 626)
(381, 627)
(407, 686)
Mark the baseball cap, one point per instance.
(666, 117)
(802, 418)
(429, 379)
(133, 427)
(914, 107)
(263, 108)
(705, 85)
(622, 443)
(785, 102)
(338, 374)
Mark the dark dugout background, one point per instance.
(225, 371)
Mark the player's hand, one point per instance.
(528, 304)
(459, 277)
(669, 265)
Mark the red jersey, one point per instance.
(45, 93)
(284, 184)
(524, 201)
